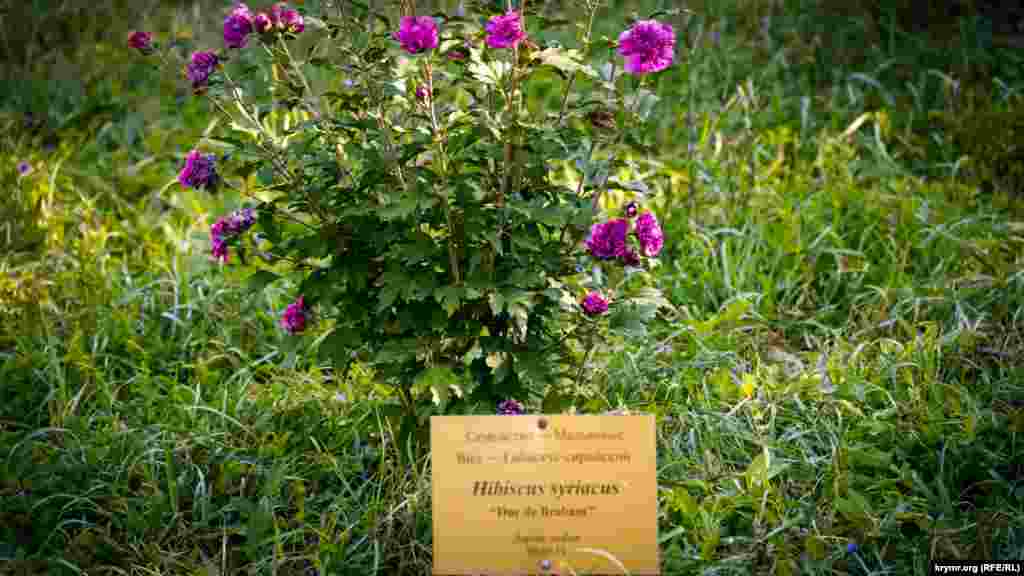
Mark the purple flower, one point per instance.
(199, 171)
(200, 67)
(24, 168)
(631, 210)
(219, 249)
(262, 23)
(295, 316)
(141, 41)
(237, 27)
(608, 239)
(421, 93)
(505, 31)
(649, 46)
(510, 408)
(218, 242)
(648, 232)
(241, 220)
(225, 228)
(417, 34)
(594, 304)
(292, 21)
(852, 547)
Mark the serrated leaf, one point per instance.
(653, 297)
(260, 280)
(449, 297)
(568, 61)
(489, 73)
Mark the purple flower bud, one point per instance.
(199, 68)
(421, 93)
(631, 210)
(295, 316)
(141, 41)
(292, 21)
(24, 168)
(219, 249)
(594, 304)
(262, 23)
(852, 547)
(417, 34)
(510, 408)
(457, 54)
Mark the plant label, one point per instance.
(539, 494)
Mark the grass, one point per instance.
(843, 365)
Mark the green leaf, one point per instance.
(337, 345)
(757, 472)
(722, 381)
(712, 536)
(260, 280)
(683, 502)
(732, 313)
(632, 317)
(555, 403)
(849, 509)
(438, 380)
(868, 458)
(651, 297)
(568, 61)
(449, 297)
(268, 225)
(489, 73)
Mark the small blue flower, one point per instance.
(24, 168)
(852, 547)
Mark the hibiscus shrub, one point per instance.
(417, 205)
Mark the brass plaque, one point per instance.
(544, 495)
